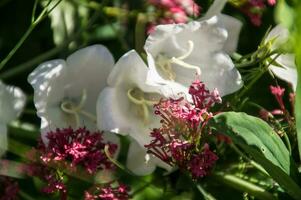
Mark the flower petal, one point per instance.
(48, 82)
(88, 69)
(217, 69)
(129, 69)
(233, 26)
(116, 113)
(136, 161)
(12, 102)
(287, 73)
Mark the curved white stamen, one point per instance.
(69, 107)
(165, 63)
(83, 100)
(185, 65)
(188, 53)
(142, 102)
(132, 98)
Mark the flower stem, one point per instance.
(205, 194)
(140, 32)
(25, 195)
(243, 185)
(32, 26)
(18, 45)
(31, 63)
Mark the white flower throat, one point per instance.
(164, 63)
(143, 101)
(77, 109)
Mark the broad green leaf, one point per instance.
(259, 140)
(297, 44)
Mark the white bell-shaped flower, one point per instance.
(65, 92)
(177, 52)
(126, 107)
(12, 102)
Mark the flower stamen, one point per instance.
(71, 108)
(165, 64)
(136, 96)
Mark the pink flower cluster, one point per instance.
(179, 139)
(69, 151)
(254, 9)
(173, 11)
(54, 180)
(109, 192)
(79, 148)
(9, 188)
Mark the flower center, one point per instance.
(143, 101)
(77, 109)
(164, 63)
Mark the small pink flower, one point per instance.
(278, 92)
(108, 192)
(177, 141)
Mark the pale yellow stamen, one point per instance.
(71, 108)
(165, 64)
(136, 96)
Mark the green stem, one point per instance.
(243, 185)
(115, 162)
(18, 45)
(32, 26)
(25, 195)
(257, 76)
(205, 194)
(31, 63)
(140, 32)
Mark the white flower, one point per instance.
(231, 24)
(284, 66)
(12, 101)
(126, 107)
(65, 92)
(177, 52)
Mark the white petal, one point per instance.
(136, 161)
(217, 69)
(112, 112)
(129, 69)
(12, 102)
(141, 163)
(117, 114)
(280, 34)
(233, 26)
(88, 69)
(48, 82)
(3, 139)
(288, 74)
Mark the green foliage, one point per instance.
(297, 47)
(259, 140)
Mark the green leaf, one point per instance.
(284, 14)
(297, 47)
(259, 140)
